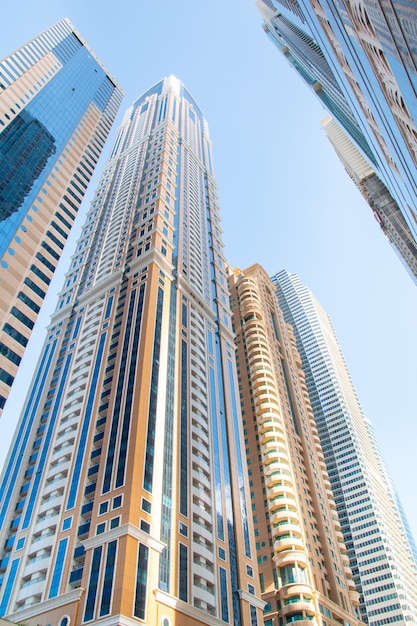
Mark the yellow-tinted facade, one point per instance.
(303, 566)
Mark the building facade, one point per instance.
(304, 569)
(384, 207)
(360, 60)
(57, 104)
(380, 547)
(125, 494)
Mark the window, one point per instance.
(293, 574)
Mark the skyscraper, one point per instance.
(124, 497)
(360, 60)
(304, 570)
(57, 104)
(383, 205)
(376, 534)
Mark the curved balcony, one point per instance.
(271, 421)
(275, 464)
(280, 518)
(36, 564)
(32, 587)
(268, 403)
(289, 557)
(285, 546)
(283, 487)
(354, 595)
(204, 594)
(298, 607)
(295, 589)
(282, 500)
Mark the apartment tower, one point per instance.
(380, 547)
(57, 104)
(125, 495)
(360, 59)
(304, 570)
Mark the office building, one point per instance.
(57, 104)
(359, 58)
(125, 494)
(379, 545)
(304, 569)
(384, 207)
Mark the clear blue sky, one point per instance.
(286, 200)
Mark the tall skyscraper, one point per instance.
(377, 538)
(57, 104)
(304, 569)
(383, 205)
(125, 495)
(360, 60)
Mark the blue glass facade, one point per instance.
(65, 102)
(369, 79)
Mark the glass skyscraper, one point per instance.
(57, 104)
(125, 494)
(360, 60)
(380, 547)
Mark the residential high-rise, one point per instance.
(125, 495)
(304, 569)
(377, 538)
(57, 104)
(360, 59)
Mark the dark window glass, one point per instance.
(92, 587)
(9, 330)
(6, 378)
(9, 354)
(45, 261)
(183, 573)
(40, 292)
(28, 301)
(108, 578)
(22, 317)
(141, 582)
(40, 274)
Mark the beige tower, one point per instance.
(125, 496)
(304, 570)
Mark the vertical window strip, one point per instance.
(109, 307)
(141, 582)
(10, 476)
(108, 579)
(164, 561)
(118, 400)
(93, 584)
(9, 587)
(86, 425)
(224, 600)
(153, 396)
(216, 453)
(184, 431)
(46, 444)
(210, 341)
(239, 459)
(60, 559)
(76, 328)
(124, 439)
(253, 616)
(183, 574)
(224, 460)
